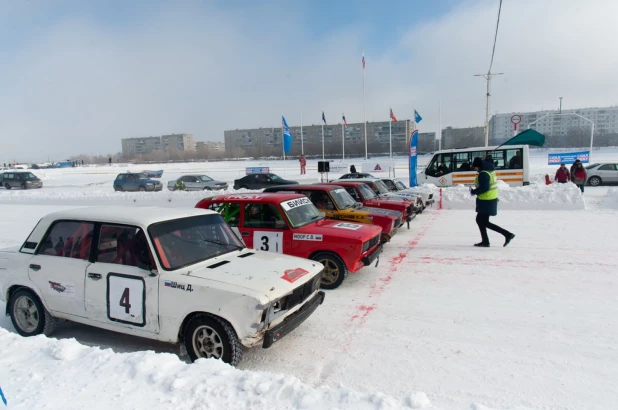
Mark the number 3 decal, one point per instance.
(126, 299)
(265, 246)
(268, 241)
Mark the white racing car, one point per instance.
(174, 275)
(398, 188)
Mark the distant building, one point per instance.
(132, 147)
(209, 146)
(605, 122)
(453, 138)
(263, 142)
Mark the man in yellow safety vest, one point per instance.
(486, 191)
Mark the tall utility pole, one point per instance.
(487, 77)
(560, 112)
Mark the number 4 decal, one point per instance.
(126, 299)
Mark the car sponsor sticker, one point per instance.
(339, 191)
(61, 288)
(307, 237)
(294, 203)
(244, 196)
(292, 275)
(179, 286)
(345, 225)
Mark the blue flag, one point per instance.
(2, 397)
(417, 117)
(287, 136)
(413, 158)
(323, 117)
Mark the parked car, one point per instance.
(168, 274)
(356, 175)
(601, 174)
(362, 193)
(382, 192)
(136, 182)
(259, 181)
(336, 203)
(398, 188)
(289, 223)
(23, 180)
(153, 174)
(196, 183)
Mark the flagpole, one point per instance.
(439, 125)
(364, 106)
(302, 149)
(342, 140)
(390, 135)
(322, 142)
(283, 143)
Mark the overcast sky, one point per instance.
(77, 76)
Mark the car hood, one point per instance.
(270, 274)
(382, 212)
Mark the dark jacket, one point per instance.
(489, 207)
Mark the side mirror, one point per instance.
(153, 273)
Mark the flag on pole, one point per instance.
(3, 398)
(363, 60)
(393, 116)
(323, 117)
(417, 117)
(287, 136)
(344, 121)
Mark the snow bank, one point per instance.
(611, 198)
(39, 372)
(531, 197)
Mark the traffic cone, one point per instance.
(547, 180)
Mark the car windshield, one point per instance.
(382, 188)
(186, 241)
(275, 177)
(342, 198)
(366, 192)
(205, 178)
(142, 176)
(301, 211)
(401, 185)
(592, 166)
(29, 176)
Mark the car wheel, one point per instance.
(23, 186)
(207, 336)
(594, 181)
(7, 186)
(335, 271)
(206, 189)
(142, 188)
(29, 316)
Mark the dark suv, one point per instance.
(23, 180)
(136, 182)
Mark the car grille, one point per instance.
(397, 222)
(371, 243)
(301, 293)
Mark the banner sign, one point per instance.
(413, 157)
(568, 158)
(257, 170)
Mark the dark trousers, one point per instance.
(482, 220)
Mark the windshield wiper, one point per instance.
(313, 218)
(222, 244)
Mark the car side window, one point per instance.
(124, 245)
(390, 184)
(607, 167)
(261, 216)
(321, 200)
(229, 212)
(69, 240)
(120, 178)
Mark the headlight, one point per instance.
(149, 183)
(365, 246)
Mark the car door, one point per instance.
(59, 265)
(262, 227)
(120, 287)
(192, 183)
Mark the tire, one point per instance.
(23, 186)
(7, 186)
(335, 270)
(118, 189)
(206, 189)
(221, 340)
(142, 189)
(594, 181)
(29, 316)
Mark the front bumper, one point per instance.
(430, 202)
(375, 255)
(155, 188)
(292, 321)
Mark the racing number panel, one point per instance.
(268, 241)
(126, 299)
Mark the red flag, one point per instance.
(393, 116)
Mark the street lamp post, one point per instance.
(487, 77)
(560, 105)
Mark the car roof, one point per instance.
(307, 187)
(363, 180)
(130, 215)
(350, 182)
(271, 197)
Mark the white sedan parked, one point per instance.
(599, 174)
(174, 275)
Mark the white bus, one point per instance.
(454, 167)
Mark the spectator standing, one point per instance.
(579, 176)
(573, 167)
(303, 164)
(352, 169)
(562, 175)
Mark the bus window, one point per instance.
(498, 159)
(440, 165)
(461, 161)
(515, 158)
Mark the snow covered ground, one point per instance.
(438, 324)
